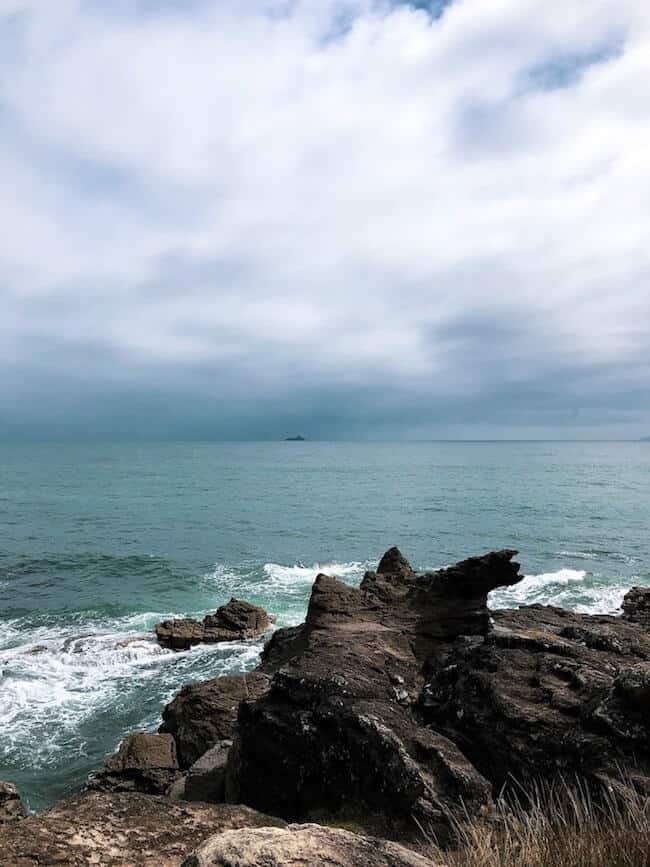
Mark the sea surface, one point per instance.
(99, 542)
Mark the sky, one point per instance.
(248, 219)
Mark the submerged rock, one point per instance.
(143, 763)
(119, 830)
(204, 714)
(11, 805)
(235, 621)
(302, 845)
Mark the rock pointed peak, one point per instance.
(394, 563)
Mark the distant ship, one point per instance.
(297, 439)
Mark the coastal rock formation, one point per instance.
(235, 621)
(11, 805)
(302, 845)
(549, 693)
(338, 730)
(119, 830)
(143, 763)
(204, 714)
(636, 606)
(206, 778)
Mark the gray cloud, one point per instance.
(350, 218)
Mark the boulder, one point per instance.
(547, 693)
(11, 805)
(302, 845)
(204, 714)
(116, 829)
(636, 606)
(207, 776)
(339, 730)
(143, 763)
(235, 621)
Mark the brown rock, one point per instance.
(636, 606)
(118, 830)
(143, 763)
(204, 714)
(235, 621)
(549, 693)
(207, 776)
(302, 845)
(11, 805)
(338, 731)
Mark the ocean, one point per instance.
(100, 541)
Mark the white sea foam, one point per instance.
(56, 679)
(544, 588)
(298, 576)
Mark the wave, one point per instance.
(59, 682)
(299, 575)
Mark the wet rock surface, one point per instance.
(236, 621)
(119, 830)
(300, 846)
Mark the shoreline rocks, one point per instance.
(398, 705)
(236, 621)
(144, 762)
(11, 804)
(302, 844)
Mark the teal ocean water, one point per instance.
(98, 542)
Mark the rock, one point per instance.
(338, 731)
(119, 830)
(636, 606)
(548, 692)
(235, 621)
(11, 805)
(204, 714)
(143, 763)
(207, 776)
(302, 845)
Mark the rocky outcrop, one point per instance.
(206, 778)
(204, 714)
(549, 693)
(302, 845)
(119, 830)
(636, 606)
(143, 763)
(11, 805)
(338, 730)
(235, 621)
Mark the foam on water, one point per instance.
(57, 680)
(299, 576)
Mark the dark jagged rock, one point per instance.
(11, 805)
(636, 606)
(204, 714)
(143, 763)
(235, 621)
(549, 692)
(338, 731)
(206, 778)
(119, 830)
(302, 845)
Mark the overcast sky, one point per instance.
(341, 218)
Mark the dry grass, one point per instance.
(558, 827)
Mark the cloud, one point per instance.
(363, 218)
